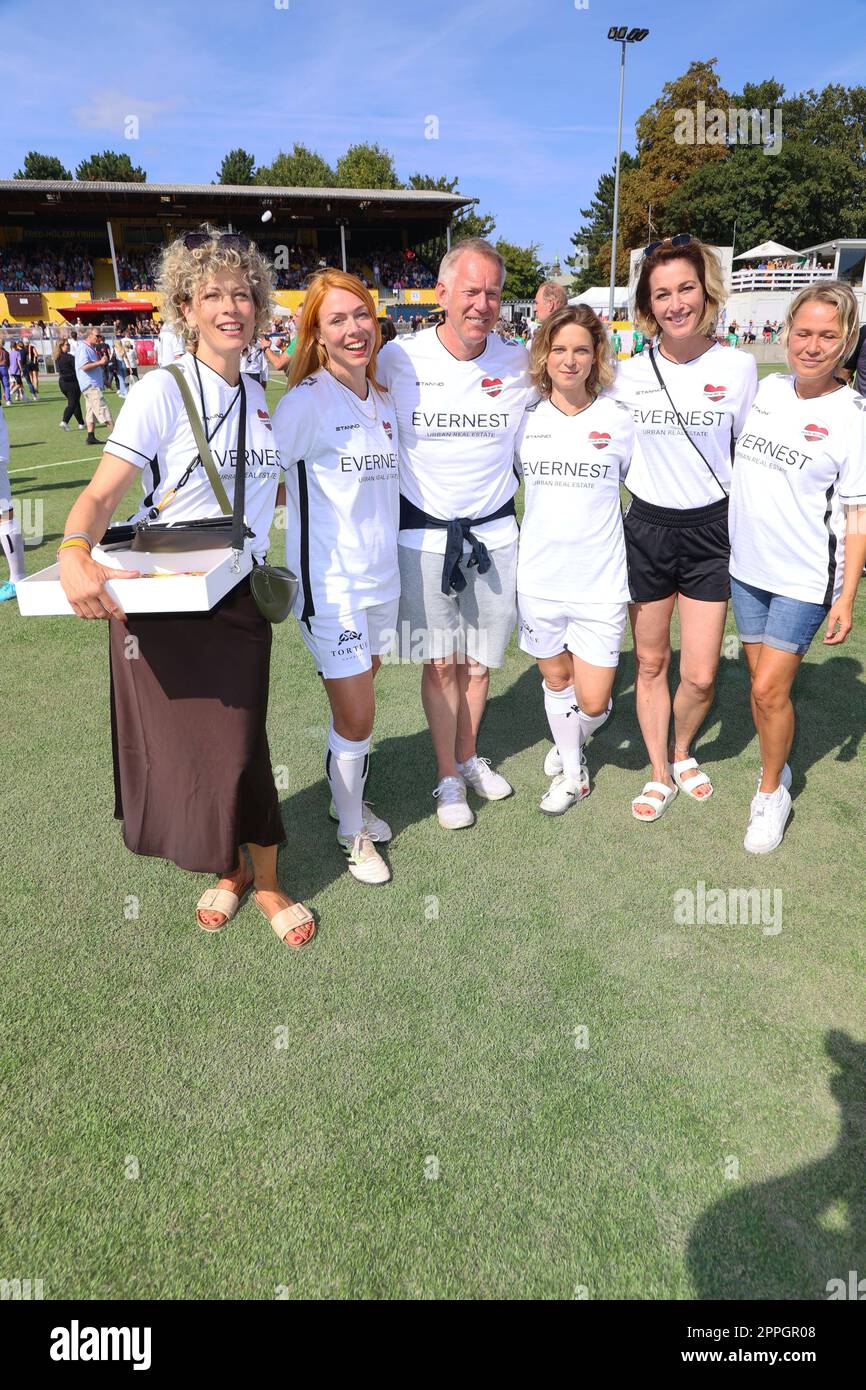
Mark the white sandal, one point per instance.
(658, 807)
(687, 784)
(220, 900)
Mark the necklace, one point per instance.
(357, 403)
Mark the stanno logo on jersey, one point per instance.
(492, 385)
(348, 636)
(386, 426)
(598, 440)
(263, 415)
(815, 433)
(716, 393)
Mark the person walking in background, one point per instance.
(4, 374)
(67, 380)
(15, 371)
(11, 539)
(90, 370)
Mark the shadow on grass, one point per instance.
(788, 1238)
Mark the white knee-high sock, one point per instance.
(563, 716)
(346, 767)
(12, 544)
(590, 723)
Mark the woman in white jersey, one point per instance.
(193, 776)
(689, 398)
(574, 448)
(337, 434)
(798, 528)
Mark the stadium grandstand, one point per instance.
(76, 252)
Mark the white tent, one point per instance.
(766, 248)
(598, 297)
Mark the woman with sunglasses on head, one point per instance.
(689, 398)
(189, 697)
(798, 528)
(337, 434)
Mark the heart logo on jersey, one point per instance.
(716, 393)
(492, 385)
(386, 426)
(815, 433)
(598, 440)
(263, 415)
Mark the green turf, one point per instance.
(286, 1113)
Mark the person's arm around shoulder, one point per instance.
(852, 489)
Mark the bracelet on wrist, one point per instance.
(73, 544)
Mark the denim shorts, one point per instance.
(788, 624)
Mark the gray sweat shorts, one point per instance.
(476, 623)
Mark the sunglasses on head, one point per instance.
(681, 239)
(237, 239)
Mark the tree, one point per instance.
(42, 166)
(367, 166)
(524, 271)
(237, 167)
(469, 223)
(595, 234)
(426, 183)
(302, 168)
(110, 167)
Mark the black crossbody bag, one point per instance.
(662, 383)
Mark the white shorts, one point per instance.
(345, 644)
(591, 631)
(5, 489)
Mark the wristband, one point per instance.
(70, 544)
(78, 536)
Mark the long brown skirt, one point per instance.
(189, 701)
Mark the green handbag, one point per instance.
(273, 587)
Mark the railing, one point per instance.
(791, 279)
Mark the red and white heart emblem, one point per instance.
(716, 393)
(598, 440)
(815, 433)
(492, 385)
(263, 415)
(386, 426)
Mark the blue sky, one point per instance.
(524, 90)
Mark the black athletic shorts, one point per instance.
(677, 552)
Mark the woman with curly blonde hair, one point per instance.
(337, 433)
(192, 767)
(689, 397)
(574, 448)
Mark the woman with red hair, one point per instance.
(337, 436)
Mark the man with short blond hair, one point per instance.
(459, 395)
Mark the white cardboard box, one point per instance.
(41, 593)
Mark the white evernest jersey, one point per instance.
(572, 545)
(342, 493)
(711, 398)
(798, 464)
(153, 433)
(457, 422)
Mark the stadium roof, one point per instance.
(198, 199)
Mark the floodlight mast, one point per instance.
(620, 34)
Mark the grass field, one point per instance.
(511, 1073)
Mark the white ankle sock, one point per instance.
(590, 723)
(346, 765)
(563, 716)
(12, 544)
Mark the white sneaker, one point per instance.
(63, 425)
(377, 829)
(768, 817)
(479, 775)
(365, 862)
(562, 793)
(81, 427)
(553, 762)
(453, 809)
(785, 779)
